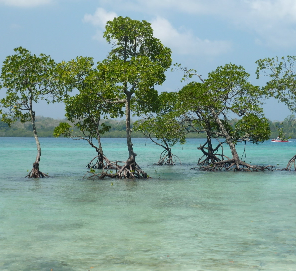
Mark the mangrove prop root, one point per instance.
(167, 158)
(35, 172)
(231, 164)
(130, 170)
(291, 161)
(210, 155)
(210, 159)
(101, 163)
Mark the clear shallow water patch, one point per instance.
(180, 219)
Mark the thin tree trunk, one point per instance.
(32, 113)
(36, 137)
(228, 139)
(35, 173)
(128, 112)
(210, 146)
(128, 128)
(100, 149)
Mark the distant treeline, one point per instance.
(45, 127)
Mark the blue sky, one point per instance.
(202, 34)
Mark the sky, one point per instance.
(202, 34)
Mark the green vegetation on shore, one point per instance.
(46, 126)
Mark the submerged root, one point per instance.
(35, 172)
(167, 158)
(100, 163)
(291, 162)
(129, 170)
(210, 154)
(231, 164)
(206, 160)
(212, 162)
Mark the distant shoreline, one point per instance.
(45, 127)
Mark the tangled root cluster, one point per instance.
(123, 170)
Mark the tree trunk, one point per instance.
(210, 147)
(229, 141)
(35, 173)
(128, 94)
(100, 149)
(132, 155)
(291, 161)
(101, 158)
(36, 137)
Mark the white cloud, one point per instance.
(100, 18)
(225, 8)
(25, 3)
(276, 10)
(273, 22)
(187, 6)
(184, 42)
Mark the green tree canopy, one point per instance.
(226, 92)
(96, 100)
(27, 79)
(163, 128)
(281, 82)
(137, 63)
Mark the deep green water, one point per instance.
(180, 219)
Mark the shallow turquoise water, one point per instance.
(180, 219)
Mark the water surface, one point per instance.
(180, 219)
